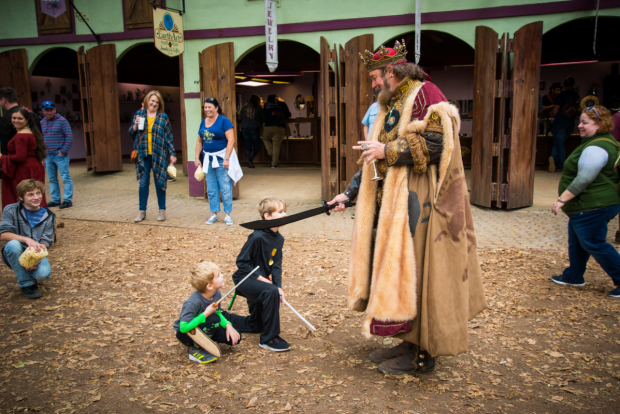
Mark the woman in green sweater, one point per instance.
(589, 197)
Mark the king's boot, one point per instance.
(384, 354)
(414, 362)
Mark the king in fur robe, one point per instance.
(414, 266)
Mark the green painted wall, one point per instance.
(103, 16)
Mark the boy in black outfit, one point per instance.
(264, 249)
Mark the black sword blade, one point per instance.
(266, 224)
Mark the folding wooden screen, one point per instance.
(505, 109)
(183, 121)
(139, 13)
(330, 148)
(14, 74)
(217, 79)
(355, 98)
(99, 97)
(54, 25)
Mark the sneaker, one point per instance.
(169, 178)
(277, 344)
(52, 204)
(31, 292)
(615, 293)
(66, 204)
(211, 220)
(200, 355)
(228, 221)
(561, 281)
(551, 164)
(276, 166)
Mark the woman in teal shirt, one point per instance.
(589, 197)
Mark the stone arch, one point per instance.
(44, 52)
(574, 40)
(290, 52)
(438, 48)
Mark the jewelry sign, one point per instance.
(271, 35)
(53, 8)
(168, 32)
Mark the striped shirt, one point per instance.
(57, 134)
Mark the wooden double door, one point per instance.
(505, 112)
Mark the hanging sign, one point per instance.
(53, 8)
(168, 32)
(271, 34)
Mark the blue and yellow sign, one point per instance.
(168, 32)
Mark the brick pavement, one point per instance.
(114, 197)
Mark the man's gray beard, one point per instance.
(384, 95)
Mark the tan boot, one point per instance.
(162, 215)
(141, 216)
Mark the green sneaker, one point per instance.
(200, 355)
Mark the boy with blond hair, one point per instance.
(198, 312)
(263, 290)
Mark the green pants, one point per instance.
(272, 137)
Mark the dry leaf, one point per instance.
(252, 402)
(95, 398)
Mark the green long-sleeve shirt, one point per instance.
(185, 327)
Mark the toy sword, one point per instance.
(299, 315)
(233, 289)
(267, 224)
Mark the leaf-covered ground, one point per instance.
(101, 340)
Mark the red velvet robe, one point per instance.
(20, 164)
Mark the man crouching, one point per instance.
(26, 224)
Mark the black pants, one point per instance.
(214, 331)
(264, 304)
(252, 142)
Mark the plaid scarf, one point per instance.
(162, 145)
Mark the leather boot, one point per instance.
(141, 216)
(162, 215)
(414, 362)
(384, 354)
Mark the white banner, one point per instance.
(271, 35)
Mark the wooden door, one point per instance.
(355, 98)
(217, 79)
(489, 118)
(527, 47)
(328, 97)
(14, 74)
(183, 120)
(99, 97)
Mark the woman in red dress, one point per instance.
(24, 160)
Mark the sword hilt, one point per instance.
(328, 208)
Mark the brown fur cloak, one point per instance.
(425, 272)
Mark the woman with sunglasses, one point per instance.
(215, 149)
(589, 197)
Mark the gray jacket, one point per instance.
(14, 221)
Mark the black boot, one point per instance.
(250, 158)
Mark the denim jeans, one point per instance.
(10, 255)
(53, 164)
(145, 182)
(218, 180)
(587, 236)
(561, 130)
(251, 136)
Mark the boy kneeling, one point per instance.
(198, 312)
(26, 224)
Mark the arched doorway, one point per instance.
(295, 80)
(568, 50)
(55, 78)
(143, 69)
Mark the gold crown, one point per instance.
(383, 57)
